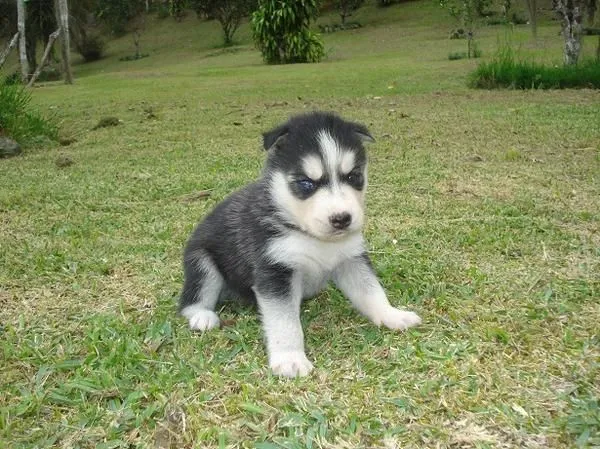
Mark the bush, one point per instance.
(18, 121)
(506, 70)
(455, 55)
(516, 19)
(458, 33)
(475, 53)
(281, 32)
(90, 47)
(134, 57)
(49, 73)
(498, 20)
(228, 13)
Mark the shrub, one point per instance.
(384, 3)
(497, 20)
(347, 7)
(455, 55)
(506, 70)
(475, 53)
(281, 32)
(228, 13)
(516, 19)
(90, 47)
(458, 33)
(49, 73)
(18, 120)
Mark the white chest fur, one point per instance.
(314, 260)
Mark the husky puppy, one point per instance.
(284, 237)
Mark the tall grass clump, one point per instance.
(18, 120)
(506, 69)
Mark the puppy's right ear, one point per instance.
(275, 137)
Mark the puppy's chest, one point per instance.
(313, 261)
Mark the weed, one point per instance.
(19, 120)
(506, 69)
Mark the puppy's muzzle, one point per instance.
(340, 221)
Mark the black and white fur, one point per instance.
(284, 237)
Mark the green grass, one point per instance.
(19, 120)
(482, 217)
(507, 70)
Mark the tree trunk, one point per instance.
(532, 10)
(571, 14)
(62, 18)
(31, 49)
(137, 34)
(9, 48)
(22, 41)
(51, 40)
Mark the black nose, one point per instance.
(340, 221)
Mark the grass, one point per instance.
(507, 70)
(483, 218)
(19, 120)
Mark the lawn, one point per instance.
(484, 212)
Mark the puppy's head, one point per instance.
(317, 170)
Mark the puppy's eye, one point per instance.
(306, 185)
(355, 178)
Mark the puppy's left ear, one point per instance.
(275, 137)
(363, 133)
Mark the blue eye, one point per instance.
(306, 185)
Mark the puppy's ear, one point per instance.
(275, 137)
(363, 133)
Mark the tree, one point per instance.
(124, 15)
(229, 13)
(118, 15)
(85, 30)
(464, 11)
(62, 17)
(22, 40)
(571, 14)
(532, 10)
(176, 8)
(8, 18)
(281, 30)
(347, 7)
(40, 22)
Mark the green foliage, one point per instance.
(90, 47)
(384, 3)
(177, 8)
(8, 18)
(18, 120)
(281, 31)
(456, 55)
(347, 7)
(229, 13)
(117, 14)
(506, 70)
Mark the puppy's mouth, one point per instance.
(333, 235)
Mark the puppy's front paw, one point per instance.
(204, 320)
(399, 319)
(290, 364)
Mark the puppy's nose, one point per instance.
(340, 221)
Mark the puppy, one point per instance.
(284, 237)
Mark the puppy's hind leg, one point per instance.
(201, 289)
